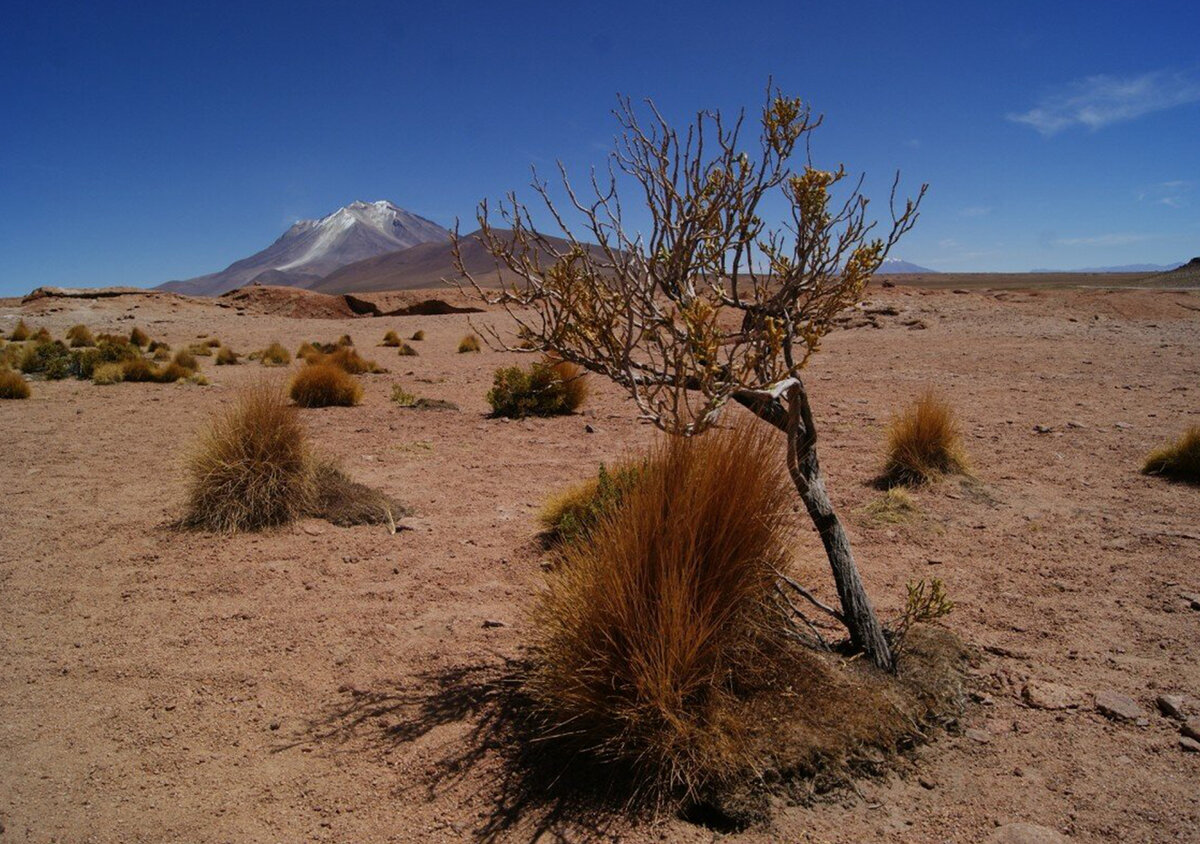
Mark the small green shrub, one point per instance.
(572, 513)
(49, 358)
(548, 388)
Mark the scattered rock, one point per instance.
(1117, 706)
(491, 622)
(314, 530)
(1074, 424)
(1188, 745)
(1027, 833)
(981, 736)
(1043, 429)
(1042, 694)
(927, 782)
(589, 429)
(1191, 728)
(1171, 706)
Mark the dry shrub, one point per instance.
(186, 359)
(12, 385)
(403, 397)
(108, 373)
(418, 336)
(345, 502)
(252, 467)
(212, 343)
(201, 350)
(548, 388)
(924, 443)
(325, 385)
(649, 628)
(161, 354)
(42, 335)
(894, 506)
(275, 355)
(407, 350)
(158, 346)
(227, 356)
(571, 513)
(1180, 460)
(49, 358)
(391, 339)
(20, 333)
(139, 338)
(345, 340)
(469, 343)
(140, 370)
(80, 336)
(349, 360)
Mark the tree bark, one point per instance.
(866, 633)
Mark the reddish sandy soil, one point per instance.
(162, 686)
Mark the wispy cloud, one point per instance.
(1172, 194)
(1115, 239)
(1097, 101)
(975, 211)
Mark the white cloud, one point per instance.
(1172, 194)
(1117, 239)
(1097, 101)
(975, 211)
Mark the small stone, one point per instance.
(274, 725)
(981, 736)
(1188, 745)
(1191, 728)
(1171, 706)
(1117, 706)
(313, 530)
(1122, 425)
(491, 622)
(1026, 833)
(1074, 424)
(1043, 429)
(927, 782)
(590, 429)
(1042, 694)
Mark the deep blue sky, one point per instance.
(147, 142)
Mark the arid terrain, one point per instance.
(161, 685)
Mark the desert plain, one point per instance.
(163, 685)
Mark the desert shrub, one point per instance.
(894, 506)
(572, 513)
(186, 359)
(924, 603)
(252, 467)
(418, 336)
(306, 352)
(649, 629)
(213, 343)
(406, 350)
(227, 356)
(548, 388)
(20, 333)
(173, 372)
(923, 442)
(346, 358)
(161, 354)
(325, 385)
(346, 502)
(158, 346)
(12, 385)
(49, 358)
(107, 350)
(202, 350)
(1179, 460)
(108, 373)
(80, 336)
(42, 335)
(391, 339)
(139, 338)
(469, 343)
(345, 340)
(403, 397)
(275, 355)
(140, 370)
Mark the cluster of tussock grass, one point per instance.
(201, 350)
(20, 332)
(158, 346)
(570, 514)
(348, 359)
(141, 370)
(418, 336)
(325, 385)
(923, 443)
(1179, 460)
(469, 343)
(108, 350)
(139, 338)
(42, 335)
(186, 359)
(160, 354)
(345, 340)
(252, 467)
(894, 506)
(275, 355)
(12, 385)
(306, 351)
(649, 628)
(80, 336)
(391, 339)
(406, 350)
(105, 374)
(548, 388)
(227, 357)
(212, 342)
(49, 358)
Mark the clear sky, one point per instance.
(156, 141)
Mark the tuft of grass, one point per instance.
(202, 350)
(108, 373)
(20, 333)
(406, 350)
(418, 336)
(12, 385)
(186, 359)
(571, 513)
(227, 356)
(212, 343)
(894, 506)
(325, 385)
(139, 338)
(923, 443)
(403, 397)
(391, 339)
(49, 358)
(1179, 460)
(345, 340)
(649, 629)
(252, 467)
(158, 346)
(548, 388)
(275, 355)
(346, 358)
(42, 335)
(161, 354)
(80, 336)
(469, 343)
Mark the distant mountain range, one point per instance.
(1124, 268)
(312, 249)
(895, 266)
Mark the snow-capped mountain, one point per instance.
(896, 266)
(311, 249)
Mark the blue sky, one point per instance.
(155, 141)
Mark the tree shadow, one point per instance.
(559, 796)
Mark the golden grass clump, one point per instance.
(469, 343)
(139, 338)
(418, 336)
(160, 354)
(158, 346)
(571, 513)
(924, 443)
(348, 359)
(1179, 460)
(186, 359)
(80, 336)
(252, 467)
(105, 374)
(391, 339)
(275, 355)
(12, 385)
(345, 340)
(325, 385)
(893, 507)
(307, 352)
(227, 356)
(649, 628)
(20, 333)
(406, 350)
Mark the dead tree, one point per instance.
(709, 305)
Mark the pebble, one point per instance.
(1171, 706)
(981, 736)
(1118, 706)
(1188, 745)
(1042, 694)
(1026, 833)
(1043, 429)
(491, 622)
